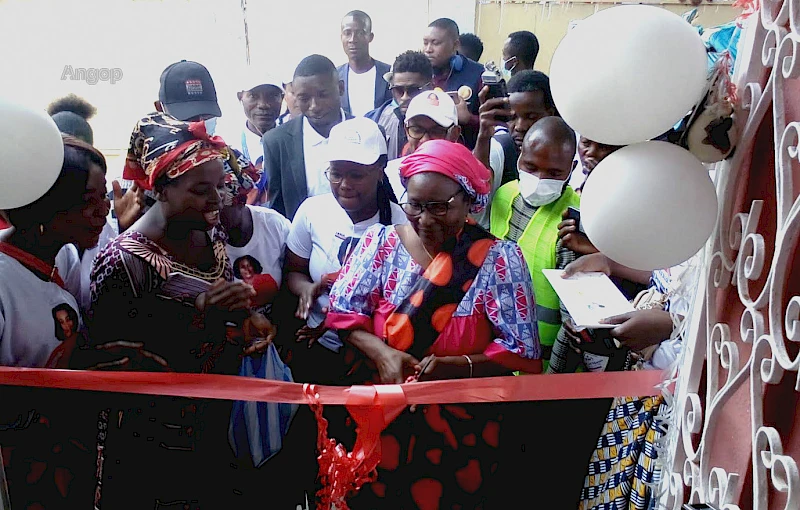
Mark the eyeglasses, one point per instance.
(411, 90)
(435, 208)
(354, 178)
(434, 133)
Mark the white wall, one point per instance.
(38, 38)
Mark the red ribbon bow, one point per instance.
(343, 473)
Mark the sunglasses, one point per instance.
(411, 90)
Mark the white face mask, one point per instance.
(538, 192)
(507, 72)
(211, 125)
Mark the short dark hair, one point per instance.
(557, 131)
(413, 62)
(315, 65)
(257, 267)
(471, 46)
(525, 45)
(533, 81)
(67, 192)
(362, 16)
(446, 24)
(71, 113)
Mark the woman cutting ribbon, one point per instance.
(437, 299)
(162, 297)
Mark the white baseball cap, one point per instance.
(254, 78)
(359, 140)
(435, 104)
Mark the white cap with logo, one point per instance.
(254, 78)
(435, 104)
(359, 140)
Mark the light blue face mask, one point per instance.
(507, 72)
(211, 125)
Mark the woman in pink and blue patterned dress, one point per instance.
(440, 299)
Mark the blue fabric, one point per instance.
(375, 115)
(258, 428)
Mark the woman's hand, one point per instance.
(592, 263)
(575, 337)
(394, 366)
(226, 296)
(641, 329)
(259, 332)
(309, 334)
(130, 356)
(128, 206)
(306, 299)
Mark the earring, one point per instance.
(41, 229)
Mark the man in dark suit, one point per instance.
(364, 85)
(294, 153)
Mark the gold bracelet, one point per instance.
(469, 360)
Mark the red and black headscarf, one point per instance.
(163, 145)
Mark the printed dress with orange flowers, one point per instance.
(475, 298)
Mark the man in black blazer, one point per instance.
(364, 85)
(294, 153)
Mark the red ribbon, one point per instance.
(373, 408)
(228, 387)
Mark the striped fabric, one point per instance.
(257, 428)
(624, 469)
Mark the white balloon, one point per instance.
(31, 154)
(649, 206)
(628, 74)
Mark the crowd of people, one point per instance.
(365, 224)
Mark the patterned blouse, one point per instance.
(140, 293)
(496, 315)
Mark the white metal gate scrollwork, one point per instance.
(738, 385)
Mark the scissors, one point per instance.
(424, 368)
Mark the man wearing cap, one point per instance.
(364, 86)
(452, 71)
(411, 74)
(187, 92)
(261, 100)
(430, 116)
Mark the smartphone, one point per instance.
(575, 214)
(492, 78)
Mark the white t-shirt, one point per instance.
(316, 160)
(33, 315)
(497, 160)
(250, 146)
(361, 91)
(260, 261)
(323, 233)
(76, 270)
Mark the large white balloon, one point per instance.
(649, 206)
(628, 74)
(31, 154)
